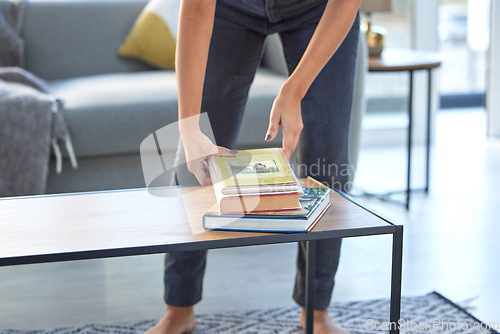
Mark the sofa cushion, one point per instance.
(112, 113)
(153, 36)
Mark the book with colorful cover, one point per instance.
(314, 203)
(254, 181)
(258, 167)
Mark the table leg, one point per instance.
(409, 140)
(397, 264)
(310, 289)
(428, 143)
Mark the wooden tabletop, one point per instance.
(404, 60)
(133, 222)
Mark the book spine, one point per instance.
(309, 229)
(257, 211)
(211, 170)
(215, 183)
(263, 194)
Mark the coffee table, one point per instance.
(52, 228)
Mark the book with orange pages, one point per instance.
(254, 181)
(314, 203)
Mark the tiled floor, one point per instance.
(451, 236)
(451, 246)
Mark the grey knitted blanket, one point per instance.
(11, 45)
(30, 118)
(30, 124)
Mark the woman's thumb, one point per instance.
(225, 152)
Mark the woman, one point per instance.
(219, 48)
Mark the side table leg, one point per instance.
(397, 266)
(429, 124)
(409, 140)
(310, 289)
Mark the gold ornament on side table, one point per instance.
(375, 35)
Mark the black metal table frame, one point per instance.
(310, 238)
(386, 196)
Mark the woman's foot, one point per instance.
(177, 320)
(322, 323)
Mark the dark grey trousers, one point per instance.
(323, 150)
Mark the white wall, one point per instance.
(425, 24)
(425, 37)
(493, 93)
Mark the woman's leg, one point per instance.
(323, 148)
(235, 53)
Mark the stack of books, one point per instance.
(256, 190)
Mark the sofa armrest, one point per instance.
(359, 101)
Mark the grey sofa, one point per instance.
(112, 104)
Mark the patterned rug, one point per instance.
(431, 313)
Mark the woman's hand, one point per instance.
(286, 111)
(334, 25)
(197, 147)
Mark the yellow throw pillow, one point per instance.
(153, 36)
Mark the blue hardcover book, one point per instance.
(314, 203)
